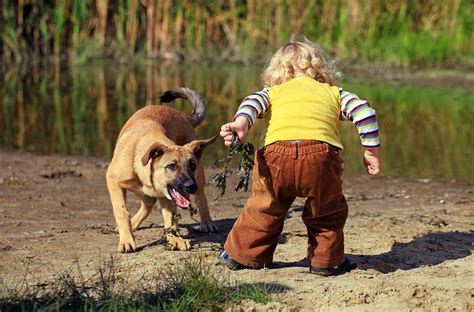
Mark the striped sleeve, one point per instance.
(254, 106)
(363, 116)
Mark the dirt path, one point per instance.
(412, 239)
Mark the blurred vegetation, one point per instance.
(426, 131)
(396, 32)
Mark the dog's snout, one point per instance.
(190, 186)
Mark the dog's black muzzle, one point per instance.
(185, 185)
(190, 186)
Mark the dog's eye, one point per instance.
(192, 165)
(172, 167)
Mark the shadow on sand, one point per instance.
(198, 239)
(425, 250)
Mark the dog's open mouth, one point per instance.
(181, 200)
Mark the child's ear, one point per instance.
(198, 146)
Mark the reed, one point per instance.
(79, 16)
(59, 19)
(398, 32)
(132, 25)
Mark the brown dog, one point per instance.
(157, 158)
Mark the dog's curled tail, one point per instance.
(199, 107)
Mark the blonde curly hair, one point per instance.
(299, 57)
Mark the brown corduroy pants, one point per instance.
(283, 171)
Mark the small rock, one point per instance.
(424, 180)
(419, 293)
(72, 162)
(407, 197)
(102, 165)
(5, 247)
(61, 174)
(442, 201)
(437, 222)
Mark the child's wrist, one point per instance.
(242, 120)
(372, 151)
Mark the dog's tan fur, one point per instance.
(154, 137)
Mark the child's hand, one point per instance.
(240, 125)
(371, 161)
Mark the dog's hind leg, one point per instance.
(145, 209)
(122, 217)
(168, 210)
(207, 225)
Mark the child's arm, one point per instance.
(363, 116)
(252, 107)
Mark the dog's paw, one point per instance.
(177, 243)
(127, 245)
(209, 227)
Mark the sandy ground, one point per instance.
(411, 238)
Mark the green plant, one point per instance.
(194, 285)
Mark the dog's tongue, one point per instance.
(180, 200)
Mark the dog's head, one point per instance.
(173, 169)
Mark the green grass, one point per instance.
(193, 285)
(396, 32)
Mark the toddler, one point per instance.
(300, 157)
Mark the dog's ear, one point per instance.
(197, 146)
(155, 150)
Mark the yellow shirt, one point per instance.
(303, 109)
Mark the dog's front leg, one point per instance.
(207, 225)
(168, 210)
(147, 204)
(122, 217)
